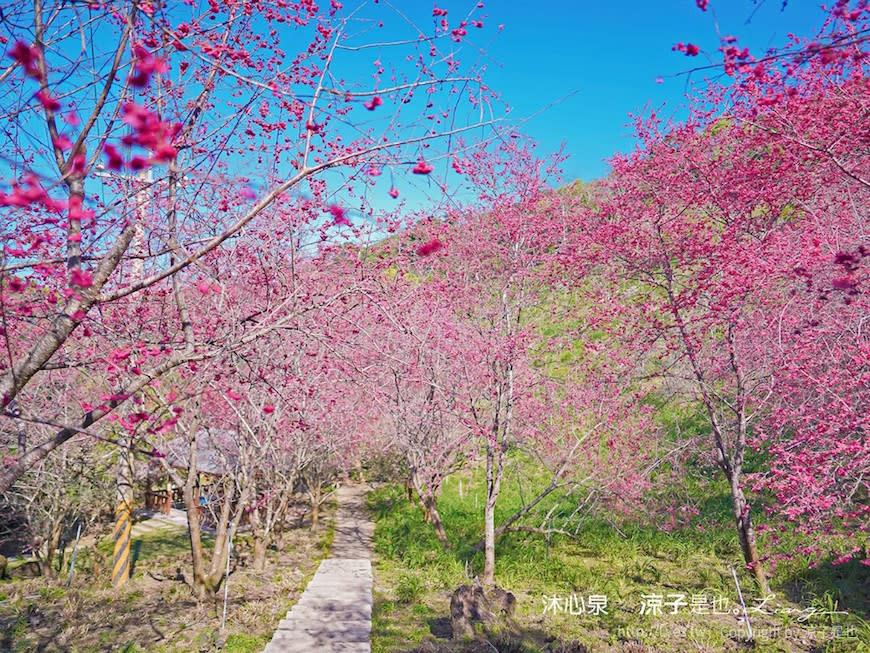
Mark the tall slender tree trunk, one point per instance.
(207, 578)
(746, 534)
(193, 526)
(224, 526)
(276, 518)
(494, 469)
(495, 459)
(730, 462)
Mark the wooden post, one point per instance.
(123, 516)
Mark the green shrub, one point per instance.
(409, 588)
(48, 593)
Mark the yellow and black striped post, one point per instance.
(121, 559)
(123, 515)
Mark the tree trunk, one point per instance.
(495, 457)
(506, 526)
(259, 553)
(492, 488)
(496, 448)
(731, 465)
(206, 580)
(315, 495)
(46, 566)
(193, 527)
(489, 546)
(435, 520)
(279, 522)
(225, 526)
(746, 535)
(98, 561)
(429, 506)
(260, 533)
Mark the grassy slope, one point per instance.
(415, 577)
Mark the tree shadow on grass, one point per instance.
(135, 550)
(395, 625)
(518, 641)
(440, 627)
(847, 584)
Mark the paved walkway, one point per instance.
(334, 614)
(152, 521)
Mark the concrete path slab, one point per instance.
(175, 517)
(334, 613)
(153, 522)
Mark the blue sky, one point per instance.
(604, 56)
(572, 72)
(611, 53)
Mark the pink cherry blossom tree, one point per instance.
(417, 343)
(141, 158)
(699, 231)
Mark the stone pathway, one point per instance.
(334, 614)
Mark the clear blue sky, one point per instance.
(611, 53)
(577, 69)
(606, 55)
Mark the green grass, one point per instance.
(415, 575)
(328, 533)
(167, 543)
(170, 542)
(242, 643)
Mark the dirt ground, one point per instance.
(155, 610)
